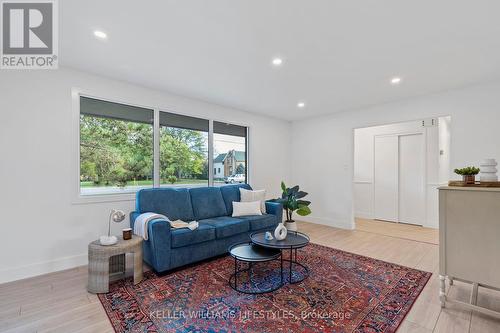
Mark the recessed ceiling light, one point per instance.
(395, 80)
(100, 34)
(301, 105)
(277, 61)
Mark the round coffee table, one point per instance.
(252, 253)
(294, 240)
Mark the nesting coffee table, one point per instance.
(250, 253)
(261, 250)
(294, 240)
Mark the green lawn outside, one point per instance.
(186, 181)
(147, 182)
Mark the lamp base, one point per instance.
(108, 240)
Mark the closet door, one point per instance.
(386, 178)
(411, 179)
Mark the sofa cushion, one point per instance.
(226, 226)
(254, 195)
(175, 203)
(258, 222)
(246, 208)
(185, 237)
(231, 193)
(207, 202)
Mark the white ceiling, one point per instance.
(338, 55)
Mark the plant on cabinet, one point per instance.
(468, 174)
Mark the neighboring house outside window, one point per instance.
(230, 153)
(234, 163)
(218, 166)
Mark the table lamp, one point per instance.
(117, 216)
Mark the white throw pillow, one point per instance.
(250, 196)
(246, 208)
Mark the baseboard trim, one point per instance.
(328, 222)
(363, 215)
(431, 224)
(27, 271)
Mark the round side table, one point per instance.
(106, 260)
(252, 254)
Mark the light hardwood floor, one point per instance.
(399, 230)
(58, 302)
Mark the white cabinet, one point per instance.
(469, 240)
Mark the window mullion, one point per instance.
(156, 148)
(247, 158)
(210, 152)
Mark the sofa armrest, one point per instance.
(158, 225)
(133, 216)
(275, 208)
(157, 247)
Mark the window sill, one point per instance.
(101, 198)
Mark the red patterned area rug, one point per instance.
(344, 292)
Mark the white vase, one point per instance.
(488, 170)
(280, 232)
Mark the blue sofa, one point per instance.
(212, 207)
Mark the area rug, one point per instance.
(345, 292)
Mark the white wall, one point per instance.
(324, 166)
(445, 149)
(43, 230)
(364, 165)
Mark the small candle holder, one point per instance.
(127, 234)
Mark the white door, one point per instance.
(411, 179)
(386, 178)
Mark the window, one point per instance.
(124, 148)
(230, 153)
(116, 147)
(183, 150)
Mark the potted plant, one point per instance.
(468, 174)
(291, 199)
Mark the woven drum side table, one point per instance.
(106, 260)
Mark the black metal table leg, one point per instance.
(294, 262)
(281, 269)
(235, 273)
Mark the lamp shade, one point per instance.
(117, 216)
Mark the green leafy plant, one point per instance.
(291, 199)
(172, 179)
(468, 171)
